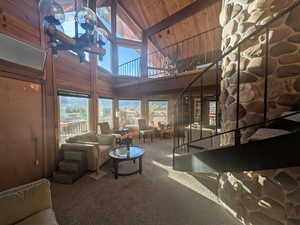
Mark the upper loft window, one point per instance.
(68, 26)
(104, 14)
(126, 27)
(106, 60)
(129, 61)
(127, 54)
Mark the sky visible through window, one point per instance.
(73, 116)
(105, 108)
(124, 54)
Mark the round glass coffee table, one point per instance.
(124, 153)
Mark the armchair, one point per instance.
(145, 131)
(105, 129)
(27, 204)
(97, 147)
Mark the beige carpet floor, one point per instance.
(160, 196)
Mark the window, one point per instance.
(73, 115)
(106, 61)
(129, 112)
(69, 24)
(128, 54)
(105, 111)
(129, 61)
(197, 110)
(212, 113)
(104, 14)
(158, 112)
(126, 27)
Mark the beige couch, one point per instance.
(97, 147)
(28, 204)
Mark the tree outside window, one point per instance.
(105, 111)
(158, 112)
(73, 116)
(129, 112)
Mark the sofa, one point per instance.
(96, 146)
(28, 204)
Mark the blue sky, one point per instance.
(125, 54)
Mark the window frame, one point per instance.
(113, 109)
(209, 114)
(157, 100)
(129, 99)
(72, 93)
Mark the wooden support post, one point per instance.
(144, 63)
(114, 47)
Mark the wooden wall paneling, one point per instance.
(51, 111)
(70, 73)
(19, 29)
(24, 10)
(20, 72)
(104, 85)
(21, 135)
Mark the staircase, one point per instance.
(266, 144)
(72, 167)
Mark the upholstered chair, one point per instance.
(144, 130)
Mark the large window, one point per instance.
(106, 60)
(73, 116)
(212, 113)
(129, 112)
(104, 14)
(128, 54)
(129, 61)
(158, 112)
(68, 26)
(105, 110)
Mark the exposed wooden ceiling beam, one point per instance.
(129, 14)
(186, 12)
(129, 43)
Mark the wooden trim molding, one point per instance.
(21, 72)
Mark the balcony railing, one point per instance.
(70, 129)
(182, 56)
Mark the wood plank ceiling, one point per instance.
(150, 12)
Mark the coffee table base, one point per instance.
(116, 167)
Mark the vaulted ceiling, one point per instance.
(150, 12)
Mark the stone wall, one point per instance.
(240, 18)
(266, 197)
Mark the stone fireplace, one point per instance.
(266, 197)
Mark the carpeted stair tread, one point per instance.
(265, 133)
(74, 155)
(295, 117)
(65, 177)
(70, 166)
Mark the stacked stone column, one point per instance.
(265, 197)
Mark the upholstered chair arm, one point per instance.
(107, 140)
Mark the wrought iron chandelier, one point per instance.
(84, 18)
